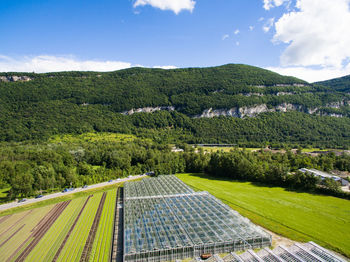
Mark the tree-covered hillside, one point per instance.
(340, 84)
(37, 106)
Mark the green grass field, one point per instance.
(3, 192)
(212, 149)
(298, 216)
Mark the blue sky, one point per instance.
(104, 35)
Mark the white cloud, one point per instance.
(236, 32)
(251, 28)
(49, 63)
(268, 24)
(166, 67)
(46, 63)
(310, 74)
(174, 5)
(224, 37)
(317, 33)
(268, 4)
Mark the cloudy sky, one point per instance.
(309, 39)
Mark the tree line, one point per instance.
(32, 168)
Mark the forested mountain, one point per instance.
(265, 106)
(340, 84)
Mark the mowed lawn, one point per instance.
(298, 216)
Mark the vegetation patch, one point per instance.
(92, 137)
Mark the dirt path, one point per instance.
(280, 240)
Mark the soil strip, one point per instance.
(92, 233)
(4, 218)
(40, 231)
(70, 231)
(19, 220)
(28, 238)
(14, 233)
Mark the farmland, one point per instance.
(298, 216)
(78, 229)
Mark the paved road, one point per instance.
(34, 200)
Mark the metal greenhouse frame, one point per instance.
(165, 220)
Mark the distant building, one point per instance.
(175, 149)
(324, 175)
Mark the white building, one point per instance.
(324, 175)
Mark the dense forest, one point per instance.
(68, 129)
(66, 161)
(79, 102)
(341, 84)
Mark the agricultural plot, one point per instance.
(298, 216)
(101, 249)
(19, 231)
(75, 230)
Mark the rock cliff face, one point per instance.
(247, 111)
(148, 110)
(240, 112)
(255, 110)
(14, 78)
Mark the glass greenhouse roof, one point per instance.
(163, 213)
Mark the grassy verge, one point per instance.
(298, 216)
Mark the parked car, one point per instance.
(84, 186)
(67, 190)
(109, 181)
(39, 196)
(22, 200)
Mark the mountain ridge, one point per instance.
(76, 102)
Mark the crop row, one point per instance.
(48, 246)
(101, 249)
(55, 233)
(74, 246)
(16, 231)
(40, 230)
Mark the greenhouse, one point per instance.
(165, 220)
